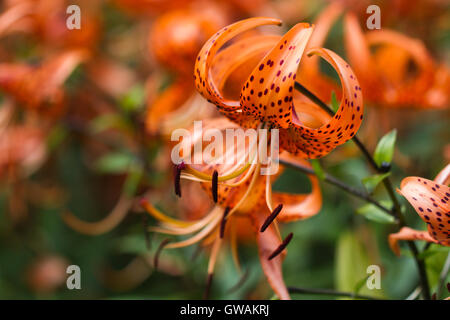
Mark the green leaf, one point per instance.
(352, 261)
(318, 169)
(371, 182)
(115, 162)
(431, 252)
(334, 102)
(359, 285)
(373, 213)
(384, 151)
(133, 100)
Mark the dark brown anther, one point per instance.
(214, 183)
(176, 175)
(271, 217)
(282, 246)
(158, 252)
(208, 286)
(224, 222)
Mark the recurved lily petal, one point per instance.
(431, 200)
(299, 206)
(308, 142)
(322, 25)
(203, 80)
(408, 234)
(232, 67)
(309, 73)
(443, 176)
(268, 92)
(268, 241)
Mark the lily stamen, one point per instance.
(271, 217)
(177, 175)
(214, 185)
(158, 252)
(224, 221)
(282, 246)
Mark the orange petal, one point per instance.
(357, 48)
(299, 206)
(409, 234)
(432, 202)
(166, 102)
(308, 142)
(100, 227)
(203, 80)
(232, 66)
(268, 92)
(176, 36)
(414, 47)
(268, 241)
(323, 25)
(443, 176)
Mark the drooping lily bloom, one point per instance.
(400, 73)
(39, 88)
(243, 196)
(431, 200)
(268, 95)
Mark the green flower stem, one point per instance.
(396, 210)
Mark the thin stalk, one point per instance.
(338, 183)
(330, 292)
(396, 210)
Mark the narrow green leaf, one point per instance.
(373, 213)
(359, 285)
(371, 182)
(384, 151)
(318, 170)
(334, 102)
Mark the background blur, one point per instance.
(75, 135)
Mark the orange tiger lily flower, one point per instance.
(268, 95)
(431, 200)
(177, 36)
(386, 76)
(242, 196)
(40, 88)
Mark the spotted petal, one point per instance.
(431, 200)
(203, 80)
(268, 92)
(304, 141)
(408, 234)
